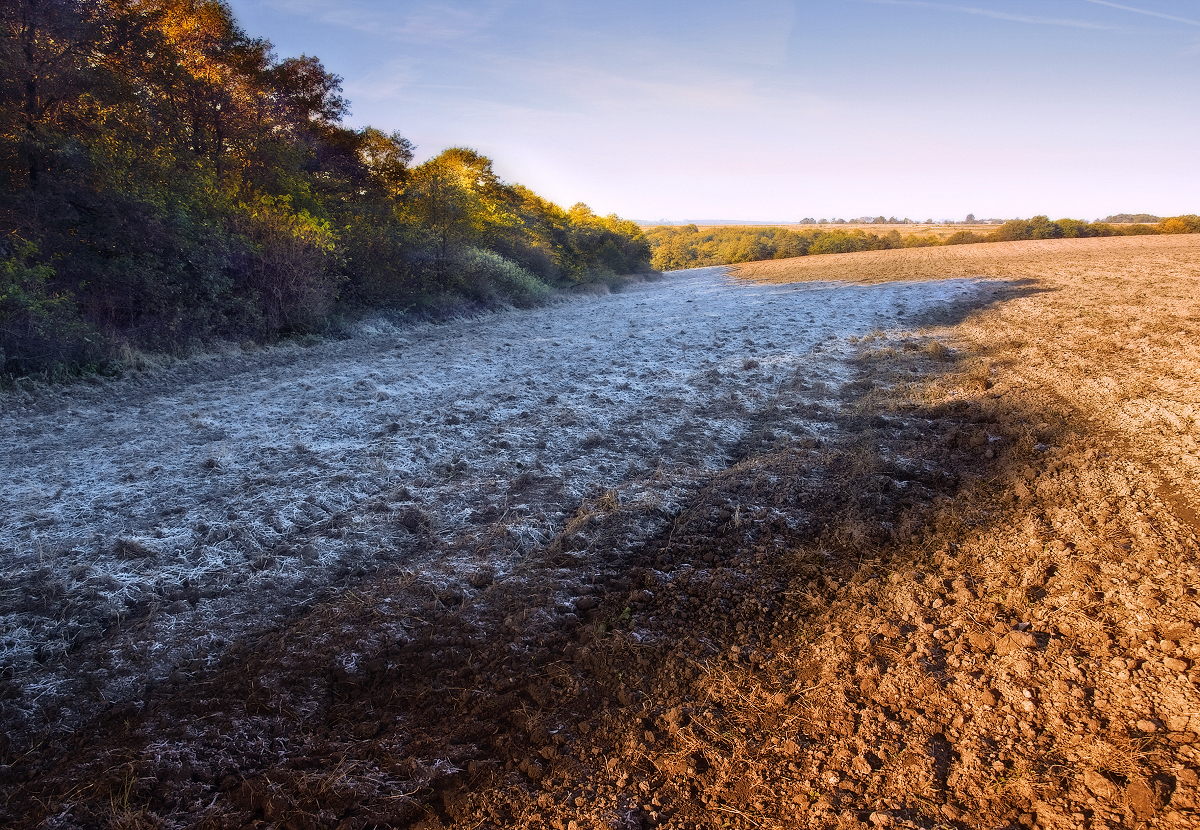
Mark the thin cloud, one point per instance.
(1018, 18)
(1146, 12)
(428, 21)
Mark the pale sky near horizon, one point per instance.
(783, 109)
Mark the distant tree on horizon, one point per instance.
(1132, 218)
(692, 247)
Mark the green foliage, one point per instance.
(1075, 228)
(849, 242)
(1040, 227)
(455, 204)
(1119, 218)
(386, 158)
(1138, 230)
(929, 240)
(187, 184)
(1189, 223)
(688, 246)
(599, 244)
(39, 328)
(489, 277)
(454, 201)
(963, 238)
(376, 248)
(1015, 230)
(288, 273)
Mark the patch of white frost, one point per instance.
(210, 500)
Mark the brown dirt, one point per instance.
(971, 603)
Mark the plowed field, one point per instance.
(906, 539)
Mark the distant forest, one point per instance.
(1132, 217)
(688, 246)
(166, 180)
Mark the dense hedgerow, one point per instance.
(691, 247)
(165, 180)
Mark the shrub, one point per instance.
(40, 330)
(377, 252)
(1097, 229)
(963, 238)
(1139, 230)
(1015, 230)
(487, 276)
(1189, 223)
(840, 242)
(290, 263)
(1073, 228)
(1132, 217)
(915, 240)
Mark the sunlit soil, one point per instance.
(910, 542)
(1112, 328)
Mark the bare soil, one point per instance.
(952, 582)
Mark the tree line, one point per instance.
(166, 179)
(688, 246)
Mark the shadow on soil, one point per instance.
(408, 701)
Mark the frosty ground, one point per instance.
(160, 516)
(834, 552)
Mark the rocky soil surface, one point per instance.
(958, 588)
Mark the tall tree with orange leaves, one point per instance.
(165, 178)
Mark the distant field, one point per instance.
(1111, 326)
(940, 230)
(1035, 258)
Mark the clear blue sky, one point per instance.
(781, 109)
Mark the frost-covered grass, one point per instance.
(149, 521)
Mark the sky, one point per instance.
(777, 110)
